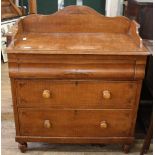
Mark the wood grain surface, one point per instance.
(76, 94)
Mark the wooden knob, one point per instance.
(103, 124)
(47, 124)
(46, 94)
(106, 94)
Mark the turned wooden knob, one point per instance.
(47, 124)
(103, 124)
(46, 94)
(106, 94)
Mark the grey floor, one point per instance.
(10, 147)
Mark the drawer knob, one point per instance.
(106, 94)
(47, 124)
(46, 94)
(103, 124)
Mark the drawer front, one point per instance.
(76, 94)
(74, 123)
(72, 66)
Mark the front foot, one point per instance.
(126, 148)
(22, 146)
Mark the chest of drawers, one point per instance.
(76, 77)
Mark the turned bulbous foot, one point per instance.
(22, 147)
(126, 148)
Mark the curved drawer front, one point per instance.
(75, 123)
(73, 68)
(76, 94)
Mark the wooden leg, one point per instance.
(148, 138)
(126, 148)
(22, 146)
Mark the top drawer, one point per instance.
(72, 67)
(75, 94)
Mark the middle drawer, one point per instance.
(75, 94)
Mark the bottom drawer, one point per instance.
(74, 123)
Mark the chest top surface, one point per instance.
(76, 30)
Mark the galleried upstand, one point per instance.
(76, 77)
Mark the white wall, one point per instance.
(17, 2)
(114, 7)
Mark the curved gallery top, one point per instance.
(76, 30)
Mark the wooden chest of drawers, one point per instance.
(76, 77)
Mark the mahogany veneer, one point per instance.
(76, 77)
